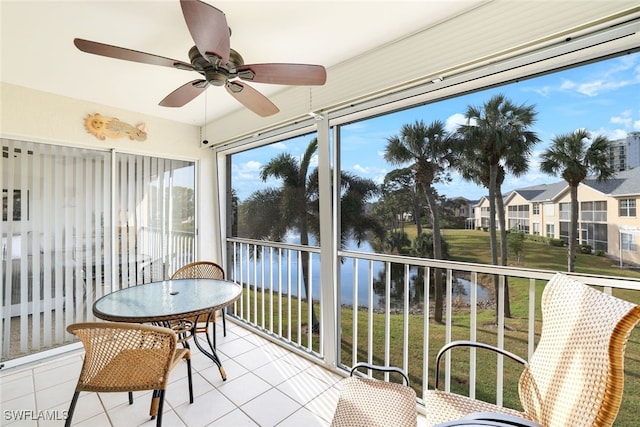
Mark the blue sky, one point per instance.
(603, 97)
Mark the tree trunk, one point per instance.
(437, 253)
(573, 230)
(493, 238)
(417, 215)
(503, 249)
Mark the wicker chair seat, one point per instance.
(575, 376)
(368, 402)
(441, 406)
(128, 357)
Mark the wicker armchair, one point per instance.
(368, 402)
(575, 376)
(127, 357)
(204, 270)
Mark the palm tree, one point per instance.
(295, 205)
(496, 140)
(428, 149)
(572, 157)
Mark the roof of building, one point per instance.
(624, 183)
(541, 192)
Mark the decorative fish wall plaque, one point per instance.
(102, 127)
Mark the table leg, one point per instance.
(210, 354)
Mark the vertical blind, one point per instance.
(78, 223)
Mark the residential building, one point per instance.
(608, 216)
(625, 153)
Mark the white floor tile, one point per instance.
(254, 359)
(232, 368)
(270, 407)
(235, 348)
(57, 394)
(303, 417)
(60, 372)
(235, 418)
(13, 411)
(205, 409)
(15, 386)
(244, 388)
(303, 388)
(324, 405)
(100, 420)
(276, 372)
(88, 406)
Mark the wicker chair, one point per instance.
(575, 376)
(368, 402)
(204, 270)
(127, 357)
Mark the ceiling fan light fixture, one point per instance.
(216, 78)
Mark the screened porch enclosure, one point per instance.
(79, 223)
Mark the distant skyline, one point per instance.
(602, 97)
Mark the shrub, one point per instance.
(599, 252)
(585, 249)
(556, 242)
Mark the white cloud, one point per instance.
(369, 170)
(625, 118)
(251, 165)
(612, 134)
(453, 121)
(606, 80)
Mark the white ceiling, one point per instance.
(38, 51)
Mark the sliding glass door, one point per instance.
(78, 223)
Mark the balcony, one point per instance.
(267, 385)
(275, 360)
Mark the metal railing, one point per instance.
(386, 310)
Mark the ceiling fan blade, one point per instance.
(284, 74)
(184, 94)
(252, 99)
(208, 27)
(128, 54)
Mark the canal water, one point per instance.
(371, 277)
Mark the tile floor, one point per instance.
(266, 386)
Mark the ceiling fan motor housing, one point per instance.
(215, 73)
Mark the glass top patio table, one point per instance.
(170, 300)
(166, 300)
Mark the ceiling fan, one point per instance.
(214, 59)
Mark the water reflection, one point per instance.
(277, 271)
